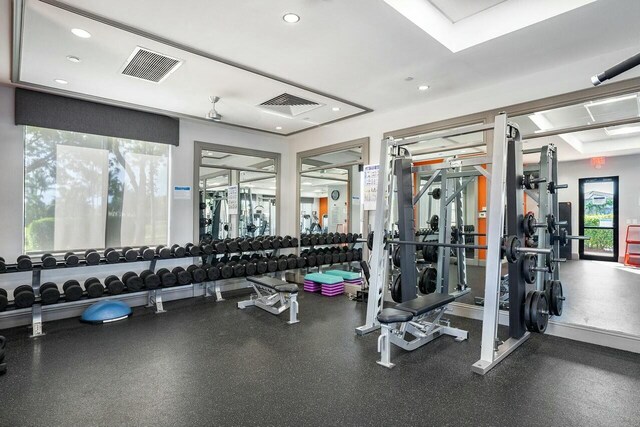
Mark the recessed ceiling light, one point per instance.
(83, 34)
(336, 108)
(423, 87)
(73, 58)
(278, 127)
(61, 81)
(291, 18)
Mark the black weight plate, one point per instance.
(256, 245)
(213, 273)
(311, 260)
(396, 289)
(49, 261)
(92, 258)
(130, 255)
(335, 258)
(430, 253)
(250, 269)
(71, 259)
(49, 293)
(133, 283)
(164, 252)
(342, 257)
(226, 271)
(349, 256)
(112, 256)
(184, 277)
(313, 240)
(528, 263)
(527, 311)
(198, 275)
(239, 270)
(396, 257)
(95, 290)
(282, 264)
(556, 298)
(272, 265)
(301, 262)
(276, 243)
(245, 245)
(24, 263)
(3, 302)
(292, 263)
(540, 312)
(261, 267)
(72, 290)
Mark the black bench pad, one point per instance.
(275, 284)
(426, 303)
(391, 315)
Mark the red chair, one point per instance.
(632, 249)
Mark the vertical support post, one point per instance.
(515, 215)
(379, 253)
(36, 308)
(461, 252)
(406, 228)
(495, 224)
(543, 211)
(555, 209)
(444, 235)
(384, 347)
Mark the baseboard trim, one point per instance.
(591, 335)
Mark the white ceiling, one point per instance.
(358, 50)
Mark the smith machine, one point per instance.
(417, 320)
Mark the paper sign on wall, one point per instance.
(182, 192)
(370, 187)
(232, 199)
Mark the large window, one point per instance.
(89, 191)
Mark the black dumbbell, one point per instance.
(251, 268)
(91, 257)
(24, 263)
(94, 288)
(261, 266)
(3, 265)
(276, 243)
(238, 270)
(256, 245)
(49, 293)
(233, 246)
(282, 263)
(23, 296)
(311, 260)
(163, 252)
(132, 281)
(206, 248)
(192, 250)
(114, 285)
(213, 273)
(322, 239)
(167, 278)
(301, 262)
(72, 290)
(147, 253)
(129, 254)
(3, 299)
(183, 276)
(285, 241)
(71, 259)
(245, 245)
(198, 275)
(178, 251)
(150, 279)
(349, 255)
(226, 270)
(48, 261)
(292, 262)
(111, 255)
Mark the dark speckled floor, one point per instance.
(207, 363)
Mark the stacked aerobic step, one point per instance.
(326, 284)
(349, 277)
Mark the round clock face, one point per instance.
(335, 195)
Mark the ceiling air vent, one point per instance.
(289, 105)
(148, 65)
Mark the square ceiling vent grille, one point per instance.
(289, 105)
(149, 65)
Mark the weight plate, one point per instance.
(396, 257)
(540, 312)
(556, 298)
(527, 311)
(529, 262)
(434, 223)
(396, 289)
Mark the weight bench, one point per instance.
(422, 318)
(273, 295)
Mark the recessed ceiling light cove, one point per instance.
(83, 34)
(291, 18)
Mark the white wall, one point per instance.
(626, 168)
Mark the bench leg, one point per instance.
(293, 309)
(384, 347)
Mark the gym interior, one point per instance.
(373, 212)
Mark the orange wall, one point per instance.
(323, 208)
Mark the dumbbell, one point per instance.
(111, 255)
(198, 275)
(91, 257)
(183, 276)
(342, 256)
(272, 265)
(286, 241)
(251, 268)
(129, 254)
(48, 261)
(276, 243)
(191, 249)
(282, 263)
(163, 252)
(233, 246)
(261, 266)
(349, 237)
(349, 255)
(49, 293)
(23, 296)
(226, 271)
(322, 239)
(72, 290)
(256, 245)
(305, 240)
(167, 278)
(24, 262)
(3, 265)
(313, 240)
(114, 285)
(292, 262)
(178, 251)
(213, 273)
(150, 279)
(245, 245)
(147, 253)
(3, 299)
(238, 269)
(94, 288)
(132, 281)
(336, 238)
(266, 244)
(71, 259)
(206, 248)
(311, 260)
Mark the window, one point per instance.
(90, 191)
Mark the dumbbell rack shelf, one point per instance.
(154, 296)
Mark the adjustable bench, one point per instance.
(421, 318)
(273, 295)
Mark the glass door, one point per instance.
(599, 218)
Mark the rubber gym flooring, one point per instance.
(208, 363)
(599, 294)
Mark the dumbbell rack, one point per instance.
(350, 245)
(154, 296)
